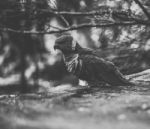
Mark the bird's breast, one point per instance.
(73, 64)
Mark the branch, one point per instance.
(102, 12)
(54, 27)
(92, 13)
(121, 15)
(143, 8)
(65, 21)
(48, 12)
(81, 26)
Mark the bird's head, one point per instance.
(66, 44)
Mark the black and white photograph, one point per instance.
(74, 64)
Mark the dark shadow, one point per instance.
(17, 89)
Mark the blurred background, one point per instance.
(31, 59)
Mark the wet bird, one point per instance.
(87, 65)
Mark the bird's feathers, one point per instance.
(93, 68)
(73, 64)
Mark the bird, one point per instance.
(87, 65)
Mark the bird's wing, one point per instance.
(100, 69)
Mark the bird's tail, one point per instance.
(120, 80)
(116, 78)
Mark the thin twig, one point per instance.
(49, 12)
(53, 27)
(143, 8)
(65, 21)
